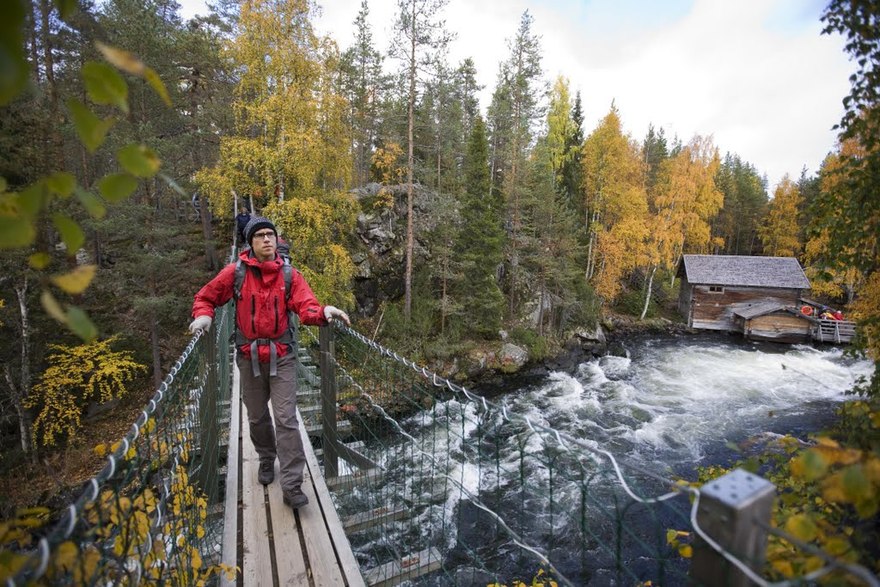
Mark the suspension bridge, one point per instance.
(410, 478)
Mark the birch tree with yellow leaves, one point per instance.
(291, 148)
(829, 274)
(290, 139)
(685, 201)
(780, 229)
(615, 204)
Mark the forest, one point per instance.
(129, 137)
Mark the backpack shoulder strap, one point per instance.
(287, 269)
(239, 279)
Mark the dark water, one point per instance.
(672, 405)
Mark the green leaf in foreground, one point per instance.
(39, 261)
(70, 232)
(80, 324)
(61, 183)
(138, 160)
(52, 307)
(92, 203)
(91, 130)
(16, 232)
(105, 86)
(117, 186)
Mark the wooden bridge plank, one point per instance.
(327, 510)
(319, 547)
(289, 556)
(256, 567)
(327, 559)
(229, 555)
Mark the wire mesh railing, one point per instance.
(153, 515)
(466, 491)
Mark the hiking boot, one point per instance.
(295, 498)
(267, 472)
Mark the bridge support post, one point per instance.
(208, 412)
(329, 437)
(734, 511)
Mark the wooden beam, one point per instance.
(365, 520)
(351, 455)
(344, 482)
(343, 428)
(410, 567)
(256, 568)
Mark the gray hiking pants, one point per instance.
(283, 438)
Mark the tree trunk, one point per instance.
(34, 45)
(18, 392)
(210, 254)
(157, 356)
(648, 293)
(407, 308)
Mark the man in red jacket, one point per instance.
(264, 351)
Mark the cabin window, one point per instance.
(716, 289)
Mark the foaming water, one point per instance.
(668, 406)
(669, 399)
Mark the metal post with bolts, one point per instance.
(728, 512)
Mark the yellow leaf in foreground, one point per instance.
(52, 307)
(121, 58)
(802, 527)
(76, 281)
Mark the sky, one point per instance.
(755, 75)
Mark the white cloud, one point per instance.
(755, 74)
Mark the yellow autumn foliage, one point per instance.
(291, 139)
(779, 231)
(314, 228)
(867, 306)
(77, 375)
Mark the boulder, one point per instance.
(512, 357)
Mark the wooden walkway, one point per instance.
(270, 543)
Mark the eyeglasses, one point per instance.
(264, 235)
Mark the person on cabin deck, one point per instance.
(265, 354)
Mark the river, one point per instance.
(671, 405)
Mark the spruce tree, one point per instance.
(481, 241)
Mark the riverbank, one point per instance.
(493, 370)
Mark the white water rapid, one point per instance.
(672, 404)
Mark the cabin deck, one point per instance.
(833, 331)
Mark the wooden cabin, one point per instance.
(774, 322)
(715, 288)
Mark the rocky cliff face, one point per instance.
(381, 229)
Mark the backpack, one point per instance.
(290, 338)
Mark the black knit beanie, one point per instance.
(256, 223)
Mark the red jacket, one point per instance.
(261, 312)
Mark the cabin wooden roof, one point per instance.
(741, 270)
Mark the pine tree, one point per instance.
(745, 204)
(418, 32)
(515, 111)
(551, 250)
(571, 168)
(480, 243)
(363, 84)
